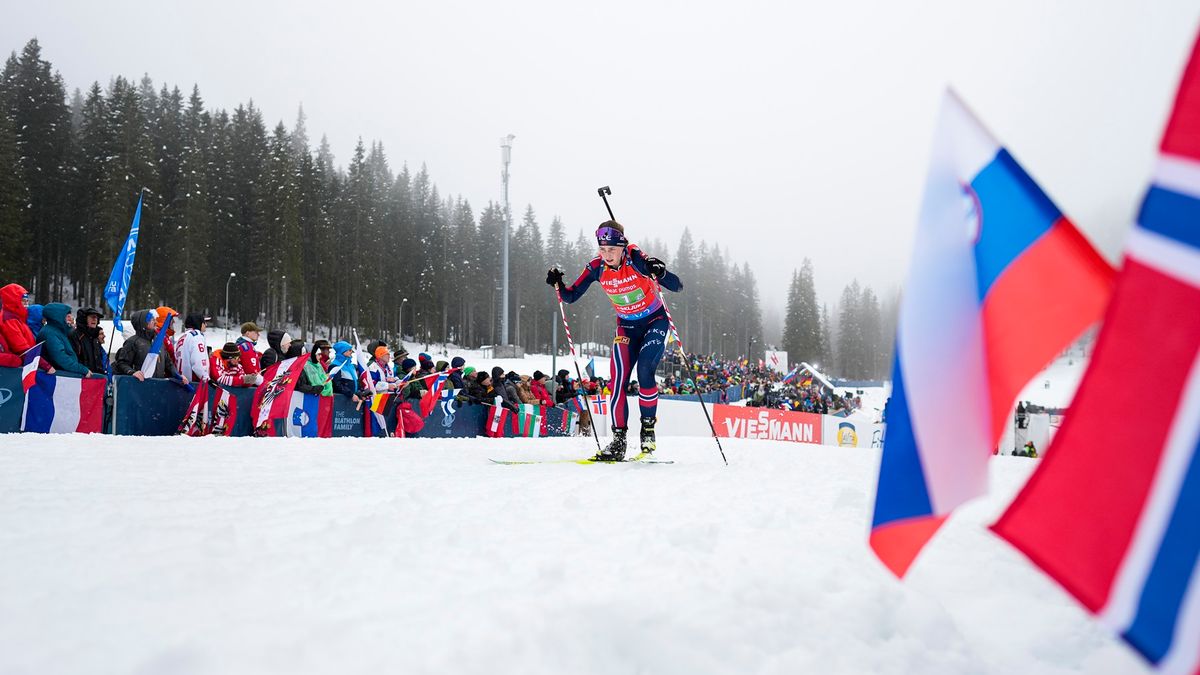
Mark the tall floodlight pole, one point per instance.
(505, 160)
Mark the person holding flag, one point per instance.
(139, 356)
(632, 281)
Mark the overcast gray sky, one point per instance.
(780, 130)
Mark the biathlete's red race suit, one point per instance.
(641, 326)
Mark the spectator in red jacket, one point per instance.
(538, 386)
(247, 343)
(14, 309)
(7, 358)
(226, 368)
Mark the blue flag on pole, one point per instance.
(591, 369)
(117, 287)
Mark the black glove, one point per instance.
(554, 277)
(656, 267)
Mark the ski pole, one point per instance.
(571, 343)
(687, 363)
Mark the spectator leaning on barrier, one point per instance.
(247, 344)
(565, 391)
(314, 379)
(227, 368)
(345, 380)
(133, 353)
(88, 340)
(416, 388)
(479, 388)
(192, 350)
(56, 341)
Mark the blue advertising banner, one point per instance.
(12, 399)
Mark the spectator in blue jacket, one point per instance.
(56, 339)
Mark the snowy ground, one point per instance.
(215, 555)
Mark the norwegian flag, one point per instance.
(434, 394)
(29, 366)
(1111, 513)
(599, 405)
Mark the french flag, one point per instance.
(29, 366)
(1113, 512)
(63, 405)
(1000, 282)
(310, 416)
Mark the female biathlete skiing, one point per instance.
(629, 278)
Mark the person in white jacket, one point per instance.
(191, 350)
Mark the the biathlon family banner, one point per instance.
(798, 427)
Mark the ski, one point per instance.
(640, 458)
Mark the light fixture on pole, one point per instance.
(400, 328)
(517, 341)
(505, 160)
(231, 276)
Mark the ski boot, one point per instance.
(615, 452)
(648, 434)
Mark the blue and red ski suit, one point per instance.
(641, 326)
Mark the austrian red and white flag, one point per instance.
(63, 405)
(495, 422)
(1113, 512)
(273, 398)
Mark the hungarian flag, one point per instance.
(495, 422)
(29, 366)
(195, 420)
(310, 416)
(273, 397)
(993, 255)
(224, 413)
(63, 405)
(1113, 511)
(529, 421)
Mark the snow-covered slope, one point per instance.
(180, 555)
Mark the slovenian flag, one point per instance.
(310, 416)
(1000, 282)
(151, 360)
(63, 405)
(1113, 512)
(791, 376)
(29, 366)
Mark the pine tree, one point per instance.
(41, 122)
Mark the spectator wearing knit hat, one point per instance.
(538, 386)
(456, 377)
